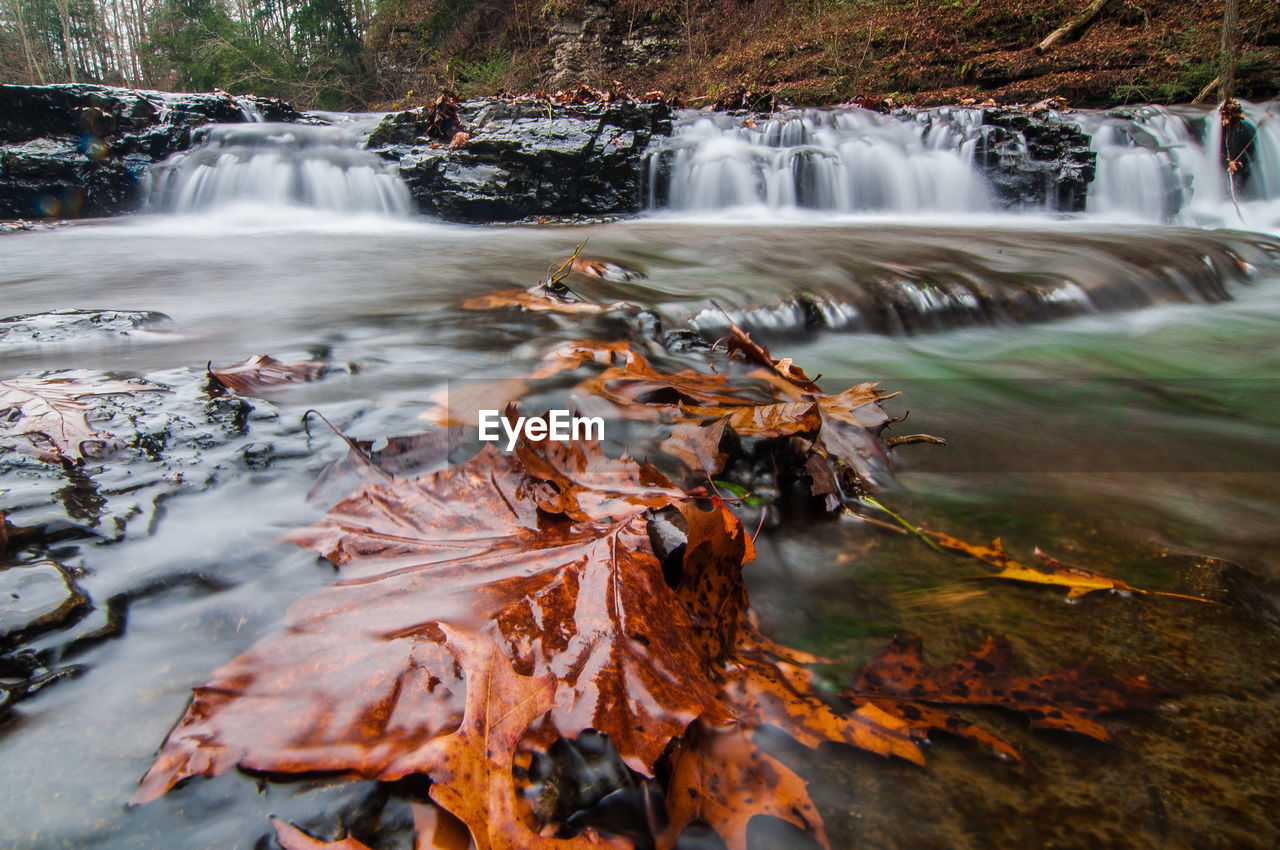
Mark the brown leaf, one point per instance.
(485, 543)
(292, 838)
(604, 270)
(471, 768)
(262, 373)
(697, 446)
(49, 415)
(923, 718)
(537, 299)
(1069, 698)
(459, 140)
(741, 343)
(719, 777)
(437, 829)
(1078, 580)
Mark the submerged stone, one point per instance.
(36, 598)
(70, 324)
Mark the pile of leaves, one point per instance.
(495, 612)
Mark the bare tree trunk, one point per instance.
(64, 17)
(1230, 17)
(1075, 28)
(34, 70)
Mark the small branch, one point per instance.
(1073, 30)
(1208, 90)
(908, 439)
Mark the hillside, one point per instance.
(823, 51)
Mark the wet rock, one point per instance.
(80, 150)
(526, 159)
(71, 324)
(37, 598)
(1035, 160)
(258, 455)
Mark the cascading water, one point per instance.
(836, 160)
(1154, 164)
(289, 165)
(1160, 164)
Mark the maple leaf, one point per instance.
(513, 597)
(1078, 580)
(487, 542)
(263, 372)
(48, 414)
(1068, 699)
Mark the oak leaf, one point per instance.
(540, 298)
(486, 543)
(1068, 699)
(45, 417)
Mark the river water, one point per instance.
(1107, 383)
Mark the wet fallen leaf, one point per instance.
(604, 270)
(512, 598)
(263, 372)
(1077, 580)
(720, 778)
(923, 718)
(487, 542)
(292, 838)
(1068, 699)
(537, 299)
(45, 417)
(740, 342)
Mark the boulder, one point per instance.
(1035, 159)
(69, 151)
(526, 159)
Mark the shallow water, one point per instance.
(1139, 435)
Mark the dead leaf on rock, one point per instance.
(720, 778)
(45, 417)
(262, 373)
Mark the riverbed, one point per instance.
(1140, 441)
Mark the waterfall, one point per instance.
(1161, 164)
(1154, 164)
(845, 161)
(278, 165)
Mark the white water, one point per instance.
(835, 160)
(1155, 165)
(1158, 164)
(280, 165)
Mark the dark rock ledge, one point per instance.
(72, 151)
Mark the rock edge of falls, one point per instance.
(71, 151)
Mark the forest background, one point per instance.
(371, 54)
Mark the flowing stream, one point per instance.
(1108, 384)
